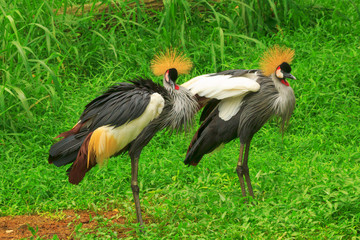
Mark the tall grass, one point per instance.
(30, 61)
(39, 47)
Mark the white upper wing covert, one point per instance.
(230, 90)
(221, 86)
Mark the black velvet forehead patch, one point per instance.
(173, 74)
(285, 67)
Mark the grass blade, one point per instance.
(274, 10)
(246, 38)
(52, 74)
(21, 96)
(221, 38)
(23, 57)
(13, 26)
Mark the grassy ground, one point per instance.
(307, 185)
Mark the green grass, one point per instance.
(307, 185)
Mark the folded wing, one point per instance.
(229, 87)
(107, 125)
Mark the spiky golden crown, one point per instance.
(275, 56)
(171, 58)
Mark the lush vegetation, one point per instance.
(307, 184)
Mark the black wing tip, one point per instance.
(190, 161)
(51, 159)
(187, 164)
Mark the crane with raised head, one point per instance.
(238, 103)
(125, 118)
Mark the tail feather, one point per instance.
(211, 134)
(201, 144)
(82, 163)
(196, 147)
(192, 158)
(72, 131)
(65, 151)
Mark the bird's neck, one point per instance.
(284, 90)
(184, 107)
(285, 101)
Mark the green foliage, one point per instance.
(306, 184)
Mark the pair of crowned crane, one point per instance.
(237, 103)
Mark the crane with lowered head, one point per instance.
(125, 118)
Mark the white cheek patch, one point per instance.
(279, 74)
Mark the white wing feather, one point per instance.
(221, 86)
(229, 107)
(230, 90)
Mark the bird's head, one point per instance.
(278, 59)
(282, 72)
(173, 63)
(170, 77)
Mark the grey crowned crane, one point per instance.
(124, 119)
(242, 102)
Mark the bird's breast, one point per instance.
(285, 101)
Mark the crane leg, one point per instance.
(239, 170)
(135, 188)
(246, 170)
(242, 169)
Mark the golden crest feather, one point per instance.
(171, 58)
(275, 56)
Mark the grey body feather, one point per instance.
(272, 99)
(178, 113)
(122, 103)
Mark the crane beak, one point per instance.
(289, 75)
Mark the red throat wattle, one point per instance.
(283, 81)
(177, 87)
